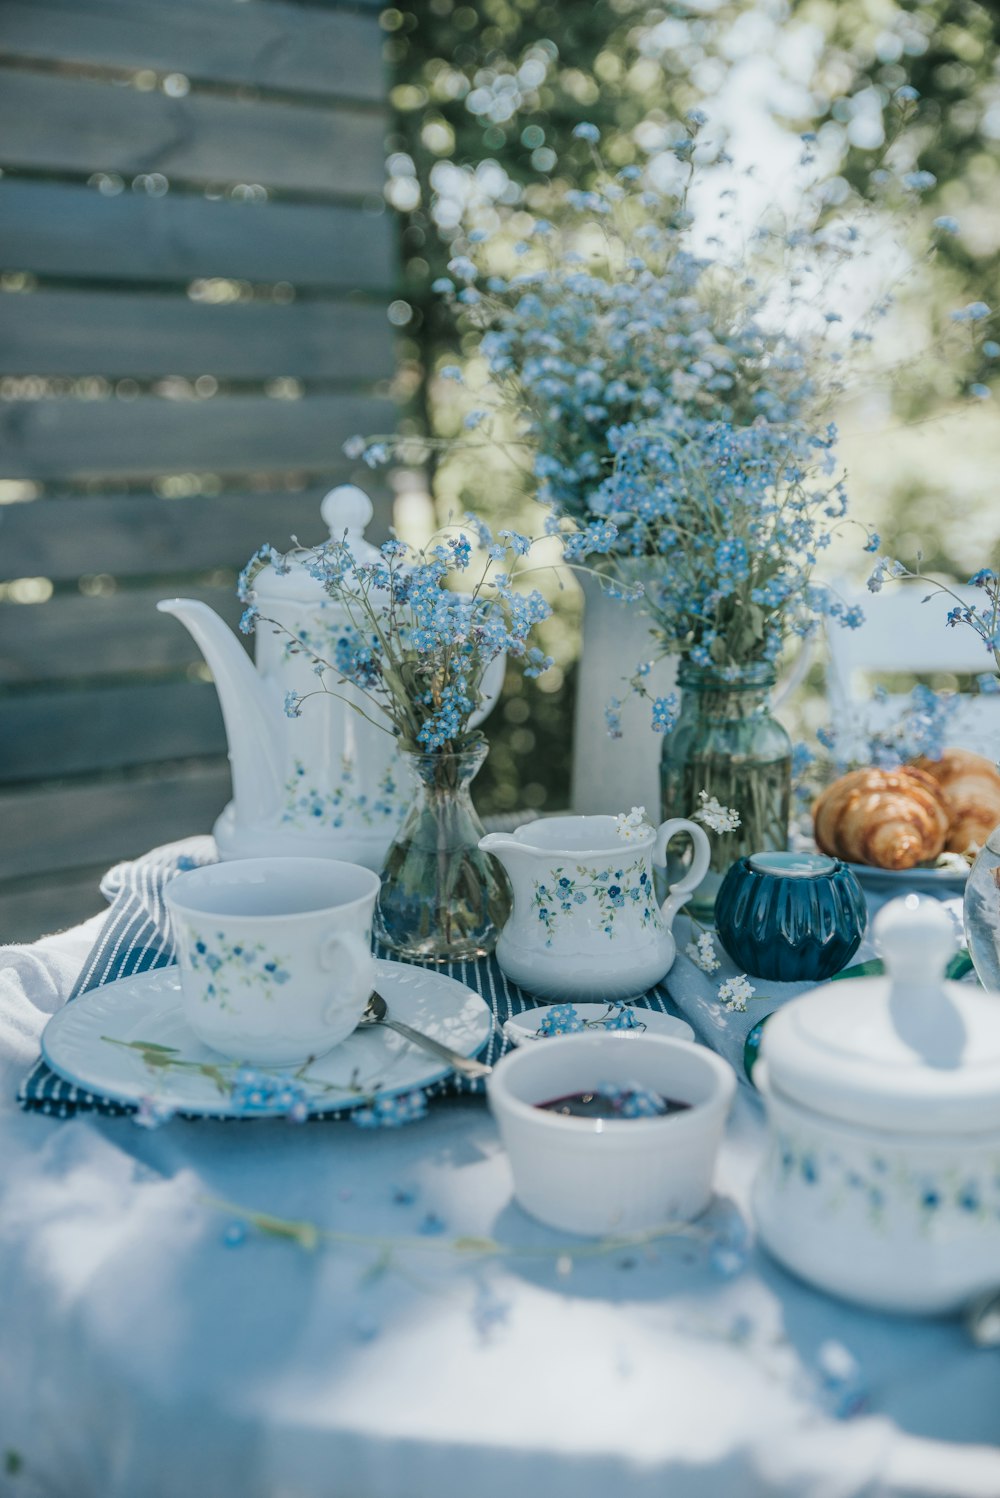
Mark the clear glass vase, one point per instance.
(442, 899)
(726, 742)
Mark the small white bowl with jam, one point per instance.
(612, 1134)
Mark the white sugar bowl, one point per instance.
(881, 1181)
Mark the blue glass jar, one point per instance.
(790, 917)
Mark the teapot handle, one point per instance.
(680, 892)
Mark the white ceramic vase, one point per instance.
(611, 775)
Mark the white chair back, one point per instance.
(903, 633)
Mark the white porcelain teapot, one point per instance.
(327, 783)
(586, 922)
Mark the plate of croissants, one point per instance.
(921, 823)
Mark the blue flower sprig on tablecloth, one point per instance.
(259, 1092)
(255, 1092)
(430, 1235)
(391, 1112)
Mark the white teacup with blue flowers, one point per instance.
(586, 922)
(274, 953)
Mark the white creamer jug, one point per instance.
(586, 922)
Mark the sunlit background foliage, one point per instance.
(485, 98)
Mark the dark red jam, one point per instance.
(606, 1106)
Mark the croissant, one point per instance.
(971, 788)
(893, 819)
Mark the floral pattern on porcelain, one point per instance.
(232, 966)
(305, 804)
(564, 1019)
(317, 644)
(609, 891)
(878, 1182)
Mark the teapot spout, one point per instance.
(251, 717)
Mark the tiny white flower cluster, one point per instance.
(734, 993)
(703, 953)
(955, 863)
(630, 824)
(719, 818)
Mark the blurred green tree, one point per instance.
(485, 98)
(948, 51)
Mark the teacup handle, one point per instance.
(360, 964)
(681, 891)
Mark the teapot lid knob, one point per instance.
(916, 938)
(347, 508)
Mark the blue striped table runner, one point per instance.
(135, 939)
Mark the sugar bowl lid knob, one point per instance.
(347, 510)
(916, 938)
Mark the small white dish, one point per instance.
(598, 1176)
(521, 1029)
(96, 1043)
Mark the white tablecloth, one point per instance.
(143, 1354)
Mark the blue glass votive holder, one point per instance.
(790, 917)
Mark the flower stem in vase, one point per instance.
(442, 899)
(726, 743)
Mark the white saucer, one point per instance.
(95, 1043)
(524, 1027)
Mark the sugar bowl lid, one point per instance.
(908, 1052)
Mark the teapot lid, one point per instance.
(908, 1052)
(347, 510)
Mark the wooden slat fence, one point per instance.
(56, 123)
(195, 264)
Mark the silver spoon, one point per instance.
(377, 1013)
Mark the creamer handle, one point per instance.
(681, 892)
